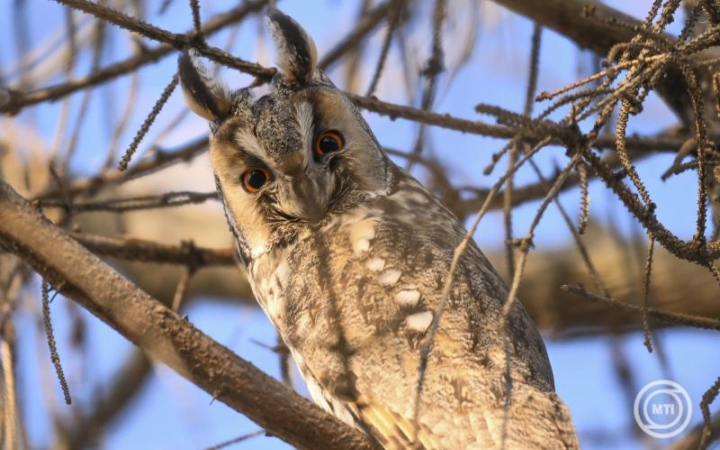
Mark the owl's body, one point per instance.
(348, 255)
(354, 297)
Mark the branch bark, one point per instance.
(164, 335)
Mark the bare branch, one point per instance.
(164, 335)
(598, 27)
(12, 101)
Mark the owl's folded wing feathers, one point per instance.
(393, 431)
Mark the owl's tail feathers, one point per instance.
(536, 421)
(391, 430)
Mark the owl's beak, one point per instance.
(310, 199)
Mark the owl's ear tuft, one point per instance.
(204, 95)
(296, 49)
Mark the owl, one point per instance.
(348, 255)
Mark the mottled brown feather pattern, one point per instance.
(357, 331)
(353, 290)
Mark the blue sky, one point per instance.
(173, 414)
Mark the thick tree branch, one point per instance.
(164, 335)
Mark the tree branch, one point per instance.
(132, 249)
(164, 335)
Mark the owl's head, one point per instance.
(290, 151)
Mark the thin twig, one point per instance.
(180, 290)
(147, 251)
(236, 440)
(121, 205)
(52, 345)
(159, 104)
(708, 397)
(646, 291)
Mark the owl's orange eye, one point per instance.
(254, 179)
(329, 142)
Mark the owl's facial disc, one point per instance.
(285, 161)
(294, 150)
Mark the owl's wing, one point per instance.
(391, 430)
(396, 432)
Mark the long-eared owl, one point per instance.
(348, 255)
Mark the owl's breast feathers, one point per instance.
(354, 299)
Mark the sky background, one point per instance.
(173, 414)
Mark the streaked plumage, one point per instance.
(348, 255)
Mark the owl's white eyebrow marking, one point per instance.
(419, 321)
(389, 277)
(361, 234)
(408, 297)
(306, 121)
(376, 264)
(249, 143)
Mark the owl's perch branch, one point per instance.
(82, 277)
